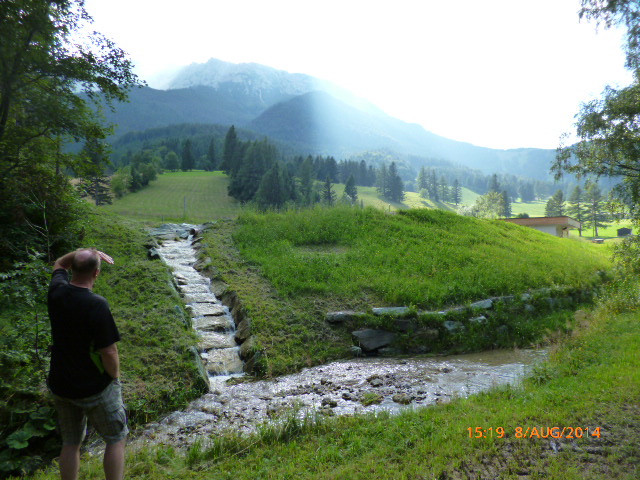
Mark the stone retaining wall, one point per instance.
(489, 323)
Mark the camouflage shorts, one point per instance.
(104, 410)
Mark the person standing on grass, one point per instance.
(84, 370)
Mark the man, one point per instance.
(85, 366)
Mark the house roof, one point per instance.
(565, 222)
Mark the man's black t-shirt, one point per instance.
(81, 324)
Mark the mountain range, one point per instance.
(311, 115)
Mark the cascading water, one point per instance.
(211, 319)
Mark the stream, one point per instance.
(343, 387)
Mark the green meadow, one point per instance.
(195, 196)
(428, 258)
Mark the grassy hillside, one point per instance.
(290, 269)
(428, 258)
(164, 199)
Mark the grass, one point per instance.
(290, 269)
(591, 380)
(428, 258)
(164, 199)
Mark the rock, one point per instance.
(529, 308)
(452, 326)
(402, 398)
(525, 297)
(243, 330)
(342, 316)
(355, 351)
(391, 311)
(329, 402)
(218, 287)
(372, 339)
(504, 299)
(483, 304)
(153, 254)
(202, 264)
(324, 381)
(429, 333)
(348, 396)
(247, 348)
(209, 340)
(326, 411)
(388, 351)
(453, 310)
(222, 323)
(479, 320)
(404, 324)
(375, 381)
(202, 371)
(206, 309)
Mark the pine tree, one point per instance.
(382, 181)
(494, 185)
(395, 185)
(306, 176)
(595, 215)
(350, 189)
(457, 192)
(555, 205)
(506, 205)
(230, 154)
(421, 181)
(444, 189)
(188, 160)
(576, 207)
(211, 160)
(432, 186)
(272, 192)
(328, 194)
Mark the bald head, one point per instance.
(85, 263)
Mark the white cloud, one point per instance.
(498, 73)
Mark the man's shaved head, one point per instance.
(85, 262)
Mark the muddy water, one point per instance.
(338, 388)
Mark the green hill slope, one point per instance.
(290, 269)
(180, 196)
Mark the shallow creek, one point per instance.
(337, 388)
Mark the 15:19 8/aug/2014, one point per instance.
(535, 432)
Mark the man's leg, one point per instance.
(113, 462)
(69, 462)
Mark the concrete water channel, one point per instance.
(343, 387)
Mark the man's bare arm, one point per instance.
(111, 360)
(65, 261)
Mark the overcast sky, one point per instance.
(495, 73)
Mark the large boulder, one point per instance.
(371, 339)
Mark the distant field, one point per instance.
(203, 193)
(369, 197)
(534, 209)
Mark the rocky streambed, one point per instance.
(343, 387)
